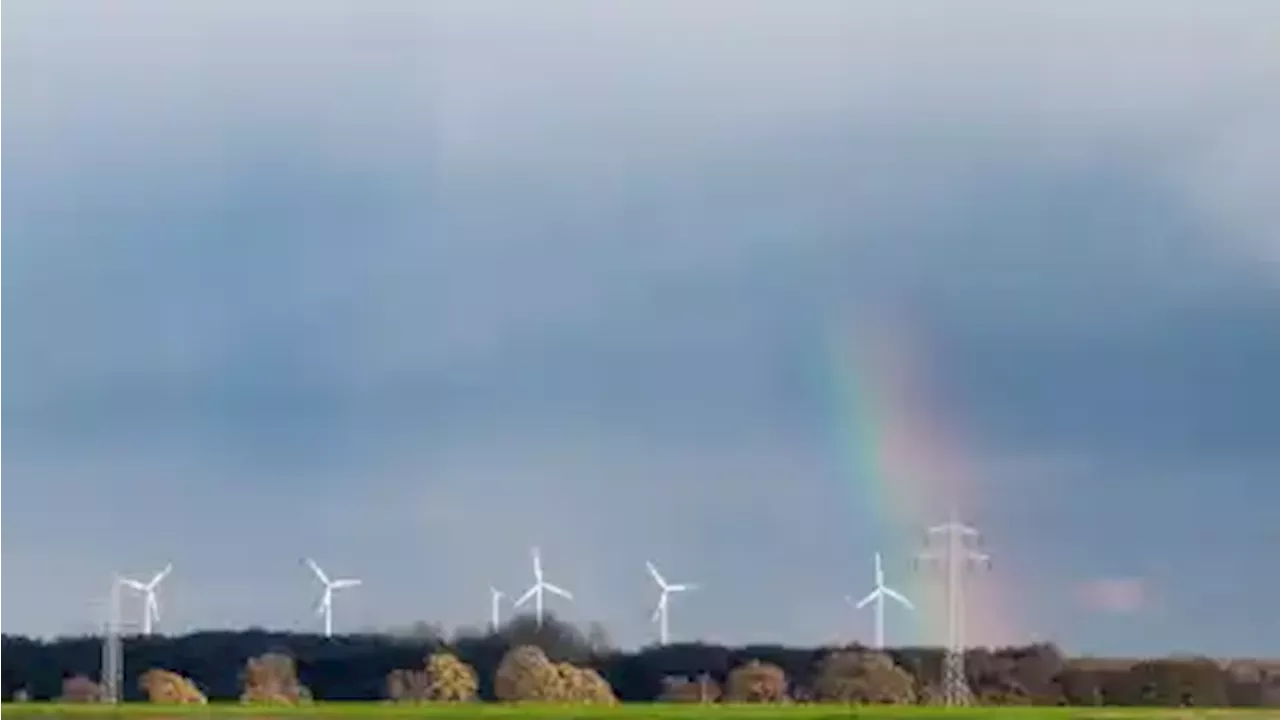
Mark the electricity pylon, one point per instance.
(112, 648)
(956, 556)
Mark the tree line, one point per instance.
(560, 662)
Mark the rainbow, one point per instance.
(908, 473)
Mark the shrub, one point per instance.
(80, 689)
(863, 677)
(756, 682)
(702, 689)
(449, 679)
(273, 679)
(525, 675)
(164, 686)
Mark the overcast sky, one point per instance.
(409, 287)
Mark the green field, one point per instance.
(624, 712)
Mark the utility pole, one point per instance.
(951, 546)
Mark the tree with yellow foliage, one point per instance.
(170, 688)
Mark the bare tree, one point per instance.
(405, 685)
(559, 640)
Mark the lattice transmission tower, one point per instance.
(951, 547)
(112, 648)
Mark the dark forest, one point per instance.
(382, 666)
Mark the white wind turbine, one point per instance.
(880, 592)
(326, 600)
(495, 597)
(538, 586)
(150, 605)
(660, 612)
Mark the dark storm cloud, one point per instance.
(407, 273)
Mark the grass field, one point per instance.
(623, 712)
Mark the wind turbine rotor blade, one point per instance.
(160, 576)
(319, 573)
(681, 587)
(558, 591)
(526, 597)
(849, 600)
(657, 577)
(863, 602)
(325, 599)
(345, 583)
(136, 585)
(657, 611)
(897, 596)
(537, 563)
(879, 572)
(153, 606)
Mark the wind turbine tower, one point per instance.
(495, 598)
(150, 605)
(326, 599)
(539, 584)
(951, 545)
(878, 596)
(660, 612)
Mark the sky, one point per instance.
(410, 287)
